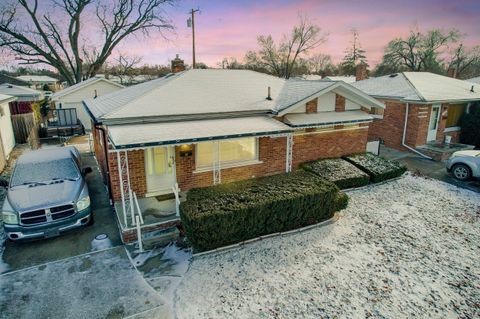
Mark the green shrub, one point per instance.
(378, 168)
(338, 171)
(230, 213)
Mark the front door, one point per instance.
(160, 169)
(433, 124)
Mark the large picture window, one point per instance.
(232, 152)
(454, 114)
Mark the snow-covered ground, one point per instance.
(404, 249)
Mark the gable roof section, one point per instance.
(15, 90)
(207, 93)
(82, 85)
(10, 79)
(37, 78)
(419, 87)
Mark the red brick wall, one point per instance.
(272, 153)
(339, 103)
(311, 106)
(136, 164)
(311, 147)
(390, 128)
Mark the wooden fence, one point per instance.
(25, 129)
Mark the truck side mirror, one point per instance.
(86, 170)
(3, 183)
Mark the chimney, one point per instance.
(177, 65)
(361, 72)
(452, 73)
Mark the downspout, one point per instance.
(404, 144)
(105, 151)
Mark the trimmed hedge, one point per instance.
(338, 171)
(229, 213)
(378, 168)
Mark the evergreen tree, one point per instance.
(353, 55)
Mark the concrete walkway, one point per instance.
(416, 163)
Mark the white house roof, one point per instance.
(81, 85)
(327, 118)
(37, 78)
(474, 80)
(419, 87)
(6, 98)
(168, 133)
(15, 90)
(196, 92)
(346, 79)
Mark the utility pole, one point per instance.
(191, 24)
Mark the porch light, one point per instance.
(186, 150)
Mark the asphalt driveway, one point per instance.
(81, 241)
(418, 164)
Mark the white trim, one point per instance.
(452, 129)
(332, 130)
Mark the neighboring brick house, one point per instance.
(434, 104)
(198, 128)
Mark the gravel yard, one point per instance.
(407, 248)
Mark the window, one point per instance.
(231, 152)
(454, 114)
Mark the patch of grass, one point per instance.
(378, 168)
(338, 171)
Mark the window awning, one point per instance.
(170, 133)
(327, 118)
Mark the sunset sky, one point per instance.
(230, 28)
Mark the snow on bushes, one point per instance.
(338, 171)
(378, 168)
(230, 213)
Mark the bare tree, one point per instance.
(280, 59)
(420, 52)
(35, 36)
(320, 63)
(465, 62)
(125, 66)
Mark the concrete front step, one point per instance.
(161, 237)
(441, 151)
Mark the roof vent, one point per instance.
(472, 90)
(269, 97)
(393, 75)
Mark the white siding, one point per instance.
(299, 109)
(6, 129)
(74, 99)
(349, 105)
(326, 102)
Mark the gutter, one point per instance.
(407, 106)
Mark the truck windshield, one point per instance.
(44, 172)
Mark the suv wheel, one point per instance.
(461, 172)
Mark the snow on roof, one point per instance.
(168, 133)
(37, 78)
(326, 118)
(419, 86)
(15, 90)
(346, 79)
(81, 85)
(191, 92)
(211, 91)
(474, 80)
(4, 97)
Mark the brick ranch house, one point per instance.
(421, 108)
(198, 128)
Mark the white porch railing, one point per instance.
(176, 192)
(217, 177)
(289, 155)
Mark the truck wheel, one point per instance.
(461, 172)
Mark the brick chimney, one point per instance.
(452, 73)
(178, 65)
(361, 72)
